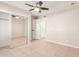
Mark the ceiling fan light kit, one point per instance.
(37, 9)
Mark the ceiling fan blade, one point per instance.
(31, 9)
(29, 5)
(44, 8)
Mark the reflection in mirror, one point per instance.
(19, 31)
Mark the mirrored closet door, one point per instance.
(19, 31)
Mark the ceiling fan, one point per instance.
(38, 7)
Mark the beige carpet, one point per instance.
(40, 48)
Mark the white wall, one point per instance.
(18, 27)
(5, 29)
(63, 27)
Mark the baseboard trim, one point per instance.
(68, 45)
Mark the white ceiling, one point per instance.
(54, 6)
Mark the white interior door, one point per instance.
(40, 29)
